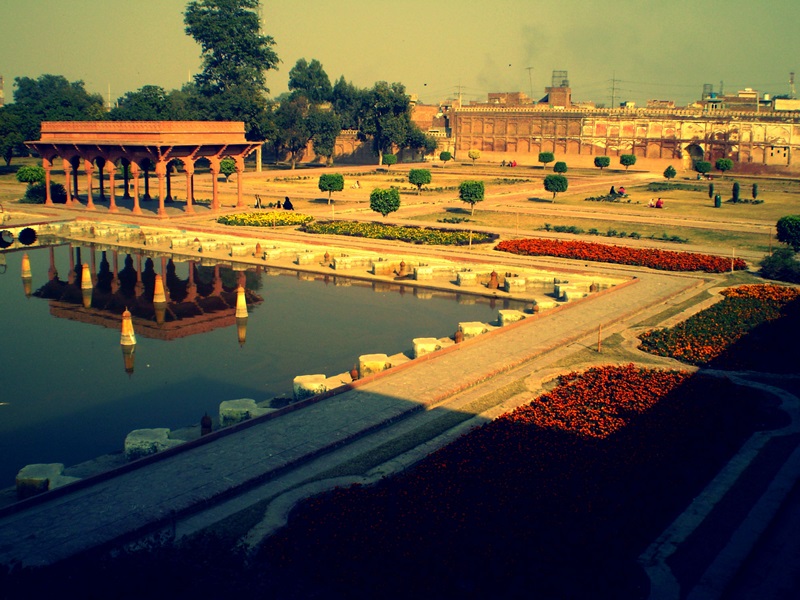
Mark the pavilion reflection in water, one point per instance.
(162, 305)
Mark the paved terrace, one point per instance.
(47, 530)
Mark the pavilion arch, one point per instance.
(692, 153)
(136, 145)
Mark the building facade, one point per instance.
(656, 135)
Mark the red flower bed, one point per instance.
(717, 335)
(554, 499)
(664, 260)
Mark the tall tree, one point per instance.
(148, 103)
(293, 132)
(324, 126)
(234, 51)
(348, 102)
(310, 80)
(53, 98)
(387, 119)
(236, 56)
(11, 140)
(419, 141)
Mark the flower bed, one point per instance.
(269, 219)
(416, 235)
(664, 260)
(545, 501)
(715, 335)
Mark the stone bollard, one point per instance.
(493, 281)
(515, 284)
(510, 316)
(372, 363)
(306, 386)
(39, 478)
(467, 278)
(423, 273)
(144, 442)
(459, 337)
(472, 329)
(241, 409)
(423, 346)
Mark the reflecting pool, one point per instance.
(68, 397)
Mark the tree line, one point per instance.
(231, 86)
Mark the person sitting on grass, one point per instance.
(659, 203)
(287, 204)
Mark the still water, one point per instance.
(67, 398)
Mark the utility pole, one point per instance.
(459, 87)
(613, 89)
(530, 79)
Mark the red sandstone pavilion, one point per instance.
(139, 147)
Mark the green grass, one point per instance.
(724, 240)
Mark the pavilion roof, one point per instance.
(148, 133)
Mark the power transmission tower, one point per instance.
(792, 92)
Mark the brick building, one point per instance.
(762, 138)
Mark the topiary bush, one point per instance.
(782, 265)
(37, 194)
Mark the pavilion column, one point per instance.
(71, 274)
(115, 272)
(137, 210)
(161, 173)
(47, 165)
(138, 288)
(112, 196)
(214, 165)
(169, 183)
(75, 166)
(100, 164)
(239, 182)
(164, 277)
(126, 170)
(67, 174)
(216, 282)
(93, 274)
(191, 288)
(89, 168)
(188, 167)
(52, 272)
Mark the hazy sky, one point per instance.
(640, 48)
